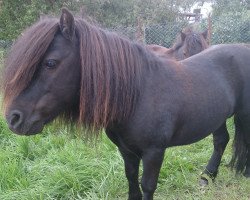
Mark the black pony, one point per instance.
(144, 102)
(188, 43)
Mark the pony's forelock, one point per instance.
(25, 56)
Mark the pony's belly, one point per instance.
(183, 138)
(194, 131)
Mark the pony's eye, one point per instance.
(50, 63)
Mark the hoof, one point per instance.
(203, 182)
(205, 179)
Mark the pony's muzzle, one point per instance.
(15, 119)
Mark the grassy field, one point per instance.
(58, 164)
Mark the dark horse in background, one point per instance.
(144, 102)
(188, 43)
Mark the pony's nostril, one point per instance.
(15, 118)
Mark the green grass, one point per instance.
(59, 165)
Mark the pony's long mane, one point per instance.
(111, 75)
(111, 69)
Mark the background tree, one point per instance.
(15, 15)
(231, 19)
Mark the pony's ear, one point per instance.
(205, 33)
(183, 36)
(67, 24)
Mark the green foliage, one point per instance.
(232, 27)
(231, 22)
(162, 34)
(231, 19)
(16, 15)
(229, 6)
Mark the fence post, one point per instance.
(209, 29)
(139, 30)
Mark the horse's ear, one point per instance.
(67, 24)
(205, 33)
(183, 36)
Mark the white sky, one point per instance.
(205, 9)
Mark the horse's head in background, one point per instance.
(188, 43)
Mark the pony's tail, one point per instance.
(240, 150)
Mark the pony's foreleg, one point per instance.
(220, 140)
(152, 161)
(131, 162)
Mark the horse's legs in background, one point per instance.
(220, 140)
(152, 161)
(242, 142)
(247, 137)
(247, 170)
(245, 126)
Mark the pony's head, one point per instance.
(42, 72)
(70, 68)
(190, 43)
